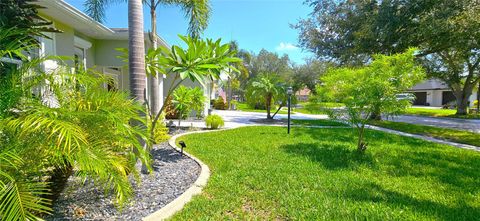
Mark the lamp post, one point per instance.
(289, 92)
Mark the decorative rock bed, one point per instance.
(172, 175)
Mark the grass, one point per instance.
(260, 173)
(458, 136)
(318, 122)
(316, 108)
(439, 113)
(245, 107)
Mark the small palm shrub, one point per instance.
(71, 124)
(214, 121)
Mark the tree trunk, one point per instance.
(280, 107)
(462, 95)
(268, 104)
(136, 54)
(361, 146)
(154, 81)
(462, 105)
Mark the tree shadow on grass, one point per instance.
(372, 192)
(331, 156)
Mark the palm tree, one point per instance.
(198, 12)
(136, 50)
(269, 89)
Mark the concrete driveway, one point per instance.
(235, 119)
(472, 125)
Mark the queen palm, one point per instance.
(198, 12)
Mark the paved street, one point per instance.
(472, 125)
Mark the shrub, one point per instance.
(475, 103)
(214, 121)
(220, 104)
(160, 134)
(170, 111)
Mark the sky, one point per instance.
(254, 24)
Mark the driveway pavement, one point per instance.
(235, 119)
(472, 125)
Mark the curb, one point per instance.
(177, 204)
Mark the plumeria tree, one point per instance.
(200, 61)
(363, 90)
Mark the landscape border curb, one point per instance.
(178, 203)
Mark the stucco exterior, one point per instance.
(93, 45)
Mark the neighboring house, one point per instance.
(92, 45)
(435, 93)
(303, 94)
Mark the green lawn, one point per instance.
(458, 136)
(318, 122)
(261, 173)
(437, 113)
(316, 108)
(245, 107)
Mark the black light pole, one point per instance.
(289, 92)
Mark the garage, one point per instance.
(420, 98)
(447, 97)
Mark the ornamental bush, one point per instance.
(214, 121)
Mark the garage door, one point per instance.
(447, 97)
(420, 98)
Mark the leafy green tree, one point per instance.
(267, 89)
(362, 90)
(446, 33)
(201, 61)
(307, 75)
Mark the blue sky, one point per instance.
(255, 24)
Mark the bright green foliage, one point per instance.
(182, 101)
(198, 101)
(214, 121)
(20, 24)
(197, 11)
(267, 89)
(161, 134)
(68, 122)
(187, 99)
(260, 173)
(366, 90)
(201, 61)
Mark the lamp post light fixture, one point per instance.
(182, 145)
(289, 92)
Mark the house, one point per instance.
(435, 93)
(303, 94)
(93, 45)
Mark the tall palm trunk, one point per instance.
(136, 54)
(156, 94)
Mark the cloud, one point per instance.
(286, 47)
